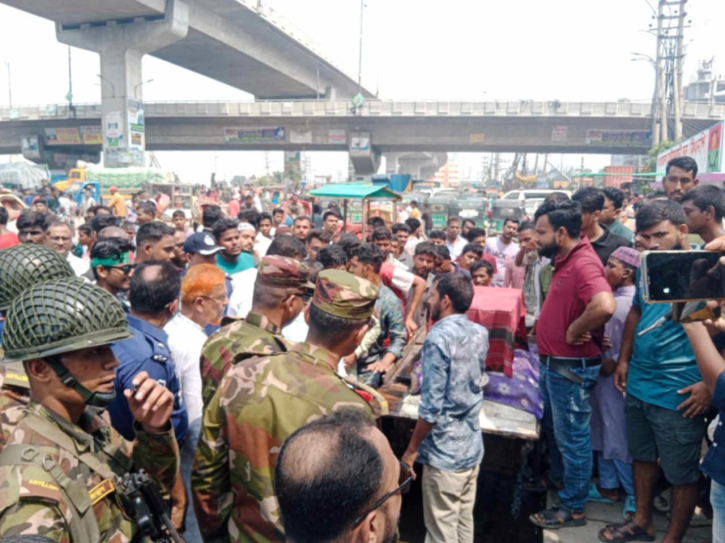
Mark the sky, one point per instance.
(567, 50)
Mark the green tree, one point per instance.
(651, 165)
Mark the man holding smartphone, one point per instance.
(665, 394)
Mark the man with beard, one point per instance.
(154, 241)
(569, 336)
(342, 504)
(301, 227)
(203, 299)
(447, 438)
(232, 259)
(179, 258)
(680, 176)
(666, 397)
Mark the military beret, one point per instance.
(344, 295)
(283, 272)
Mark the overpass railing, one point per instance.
(372, 108)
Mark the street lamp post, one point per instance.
(139, 85)
(359, 68)
(113, 87)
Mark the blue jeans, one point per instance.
(614, 472)
(717, 499)
(570, 413)
(192, 533)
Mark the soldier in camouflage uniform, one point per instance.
(21, 267)
(280, 291)
(59, 471)
(262, 400)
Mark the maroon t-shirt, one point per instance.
(577, 278)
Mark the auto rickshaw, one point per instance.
(473, 207)
(503, 210)
(442, 206)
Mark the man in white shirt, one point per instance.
(504, 248)
(454, 241)
(203, 299)
(60, 239)
(264, 237)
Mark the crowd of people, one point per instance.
(240, 363)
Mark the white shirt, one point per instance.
(186, 341)
(261, 244)
(397, 263)
(456, 248)
(296, 331)
(242, 294)
(79, 265)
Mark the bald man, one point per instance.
(317, 503)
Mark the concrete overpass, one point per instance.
(238, 42)
(378, 127)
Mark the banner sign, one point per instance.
(255, 135)
(619, 138)
(706, 148)
(62, 136)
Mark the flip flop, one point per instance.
(596, 496)
(630, 508)
(628, 531)
(555, 518)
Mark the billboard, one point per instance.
(255, 135)
(619, 138)
(62, 136)
(706, 148)
(92, 135)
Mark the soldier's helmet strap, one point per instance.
(94, 399)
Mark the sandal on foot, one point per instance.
(555, 518)
(630, 508)
(621, 533)
(596, 496)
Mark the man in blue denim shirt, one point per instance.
(154, 297)
(447, 436)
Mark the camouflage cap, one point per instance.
(24, 265)
(344, 295)
(283, 272)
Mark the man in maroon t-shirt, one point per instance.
(569, 336)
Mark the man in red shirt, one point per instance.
(7, 238)
(569, 336)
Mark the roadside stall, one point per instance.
(509, 418)
(360, 203)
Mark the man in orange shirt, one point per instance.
(117, 203)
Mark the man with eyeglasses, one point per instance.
(112, 267)
(203, 301)
(264, 399)
(60, 238)
(447, 438)
(346, 503)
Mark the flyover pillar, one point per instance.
(364, 158)
(418, 165)
(122, 45)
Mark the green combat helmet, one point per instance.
(63, 316)
(24, 265)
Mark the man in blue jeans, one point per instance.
(569, 335)
(666, 397)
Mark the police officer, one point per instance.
(21, 267)
(262, 400)
(280, 291)
(59, 472)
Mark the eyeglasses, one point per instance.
(404, 481)
(221, 299)
(126, 268)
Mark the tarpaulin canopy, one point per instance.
(354, 191)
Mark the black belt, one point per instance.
(562, 366)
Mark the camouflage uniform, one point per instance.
(57, 478)
(261, 401)
(254, 335)
(21, 267)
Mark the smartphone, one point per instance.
(682, 276)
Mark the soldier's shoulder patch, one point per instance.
(35, 482)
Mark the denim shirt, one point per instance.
(714, 463)
(147, 351)
(453, 356)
